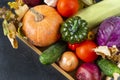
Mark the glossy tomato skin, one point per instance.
(67, 7)
(73, 46)
(85, 51)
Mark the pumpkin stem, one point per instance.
(38, 16)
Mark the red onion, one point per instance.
(88, 71)
(32, 3)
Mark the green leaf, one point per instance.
(5, 27)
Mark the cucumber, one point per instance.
(108, 67)
(51, 54)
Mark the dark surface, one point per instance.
(22, 63)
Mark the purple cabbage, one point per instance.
(109, 32)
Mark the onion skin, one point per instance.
(68, 61)
(88, 71)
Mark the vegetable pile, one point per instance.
(82, 37)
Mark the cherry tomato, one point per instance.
(85, 51)
(67, 7)
(73, 46)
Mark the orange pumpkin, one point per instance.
(41, 25)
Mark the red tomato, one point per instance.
(73, 46)
(67, 7)
(85, 51)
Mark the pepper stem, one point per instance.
(38, 16)
(74, 27)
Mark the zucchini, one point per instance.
(96, 13)
(108, 67)
(88, 2)
(51, 54)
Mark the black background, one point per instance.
(22, 63)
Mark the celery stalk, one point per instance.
(96, 13)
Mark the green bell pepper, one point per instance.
(74, 30)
